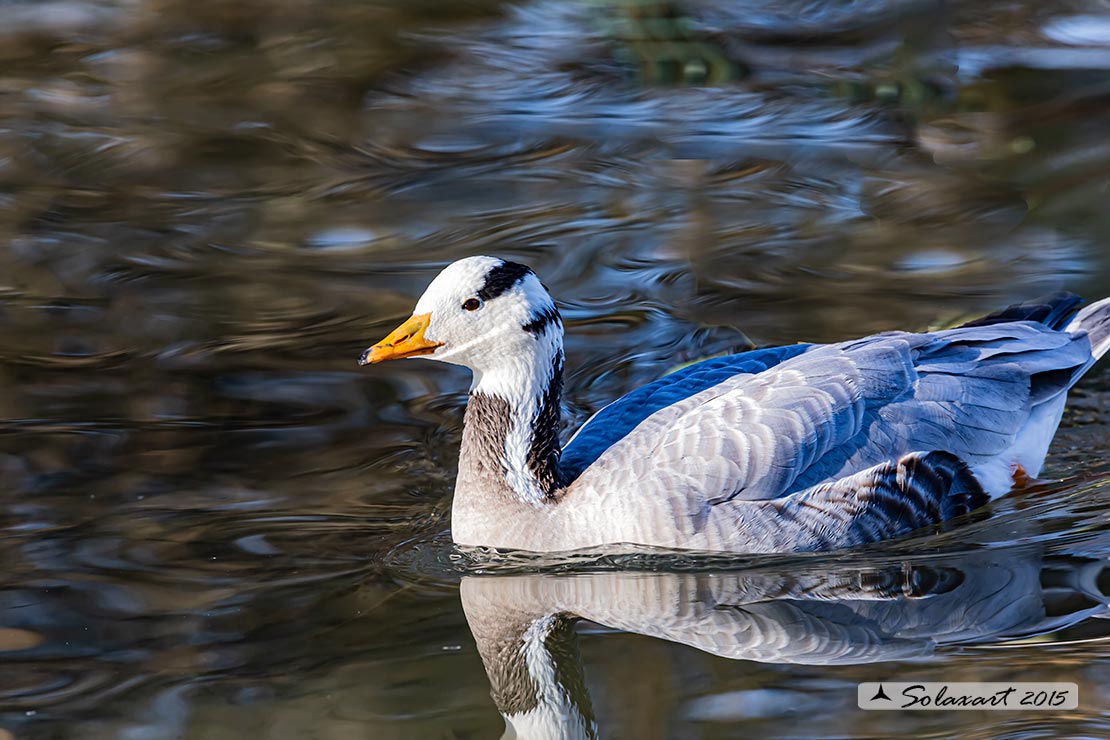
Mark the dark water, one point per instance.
(212, 523)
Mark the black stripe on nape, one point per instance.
(501, 278)
(544, 450)
(541, 321)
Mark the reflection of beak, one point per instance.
(407, 340)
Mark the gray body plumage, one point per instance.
(834, 446)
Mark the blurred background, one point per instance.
(212, 521)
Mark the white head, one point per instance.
(487, 314)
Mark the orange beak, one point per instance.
(407, 340)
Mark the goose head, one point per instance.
(496, 318)
(488, 314)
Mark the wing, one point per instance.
(616, 420)
(888, 500)
(835, 410)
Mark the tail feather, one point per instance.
(1057, 311)
(1094, 320)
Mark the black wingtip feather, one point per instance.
(1053, 311)
(957, 489)
(918, 490)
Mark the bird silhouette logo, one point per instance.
(881, 694)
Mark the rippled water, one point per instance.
(212, 522)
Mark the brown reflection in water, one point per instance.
(207, 208)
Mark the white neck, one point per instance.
(529, 383)
(521, 380)
(511, 430)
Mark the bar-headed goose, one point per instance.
(794, 448)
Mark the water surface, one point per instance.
(212, 522)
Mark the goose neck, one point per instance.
(511, 431)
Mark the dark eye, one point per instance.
(472, 304)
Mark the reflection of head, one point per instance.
(532, 662)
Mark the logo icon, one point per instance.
(880, 694)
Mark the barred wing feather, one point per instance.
(834, 410)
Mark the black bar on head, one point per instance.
(502, 278)
(539, 322)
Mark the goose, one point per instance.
(804, 447)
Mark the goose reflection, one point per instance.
(524, 624)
